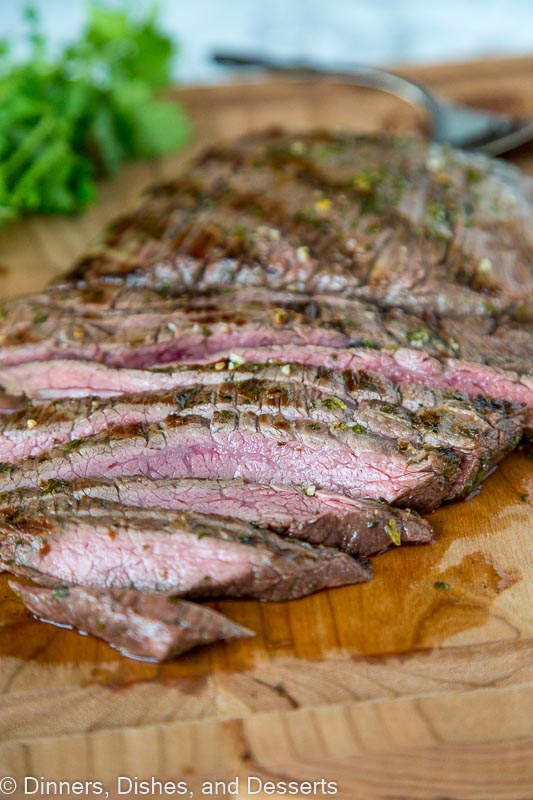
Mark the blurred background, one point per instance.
(87, 90)
(372, 31)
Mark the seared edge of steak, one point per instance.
(402, 364)
(482, 431)
(60, 378)
(296, 392)
(193, 326)
(360, 527)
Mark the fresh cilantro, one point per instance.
(68, 120)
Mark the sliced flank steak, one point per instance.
(410, 224)
(105, 545)
(74, 377)
(479, 356)
(227, 394)
(479, 434)
(198, 325)
(360, 527)
(139, 624)
(295, 391)
(260, 448)
(63, 378)
(192, 325)
(311, 237)
(402, 364)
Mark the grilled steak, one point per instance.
(219, 315)
(139, 624)
(110, 546)
(61, 378)
(295, 391)
(325, 226)
(295, 325)
(400, 365)
(261, 448)
(195, 326)
(497, 365)
(481, 432)
(411, 225)
(142, 339)
(360, 527)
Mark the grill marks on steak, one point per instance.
(48, 380)
(139, 624)
(192, 325)
(360, 527)
(337, 256)
(295, 391)
(142, 339)
(282, 332)
(105, 545)
(196, 326)
(260, 448)
(398, 365)
(480, 432)
(61, 378)
(412, 225)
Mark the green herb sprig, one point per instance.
(68, 120)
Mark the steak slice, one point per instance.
(109, 546)
(261, 448)
(141, 625)
(398, 365)
(74, 378)
(409, 223)
(360, 527)
(66, 379)
(194, 326)
(481, 437)
(479, 356)
(297, 392)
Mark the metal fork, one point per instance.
(451, 123)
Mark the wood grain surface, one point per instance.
(417, 685)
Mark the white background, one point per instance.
(370, 31)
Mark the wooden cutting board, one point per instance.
(417, 685)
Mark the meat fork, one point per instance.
(451, 123)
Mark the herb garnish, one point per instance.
(393, 532)
(66, 120)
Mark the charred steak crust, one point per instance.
(482, 432)
(401, 221)
(497, 362)
(192, 326)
